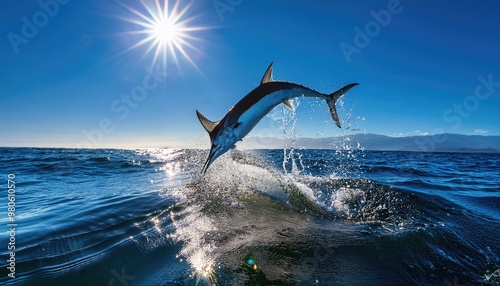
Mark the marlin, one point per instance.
(243, 117)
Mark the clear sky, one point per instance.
(91, 74)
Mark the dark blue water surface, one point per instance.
(262, 217)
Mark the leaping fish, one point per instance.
(243, 116)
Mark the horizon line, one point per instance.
(177, 144)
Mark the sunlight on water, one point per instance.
(156, 223)
(190, 230)
(160, 154)
(203, 268)
(171, 169)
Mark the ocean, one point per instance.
(258, 217)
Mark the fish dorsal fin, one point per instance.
(207, 124)
(288, 103)
(268, 76)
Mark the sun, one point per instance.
(166, 32)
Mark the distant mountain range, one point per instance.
(433, 143)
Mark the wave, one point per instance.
(150, 216)
(305, 228)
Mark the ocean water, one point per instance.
(261, 217)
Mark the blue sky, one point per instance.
(68, 70)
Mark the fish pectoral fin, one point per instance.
(289, 104)
(233, 147)
(268, 76)
(207, 124)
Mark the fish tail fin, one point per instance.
(332, 99)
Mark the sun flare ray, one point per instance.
(167, 29)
